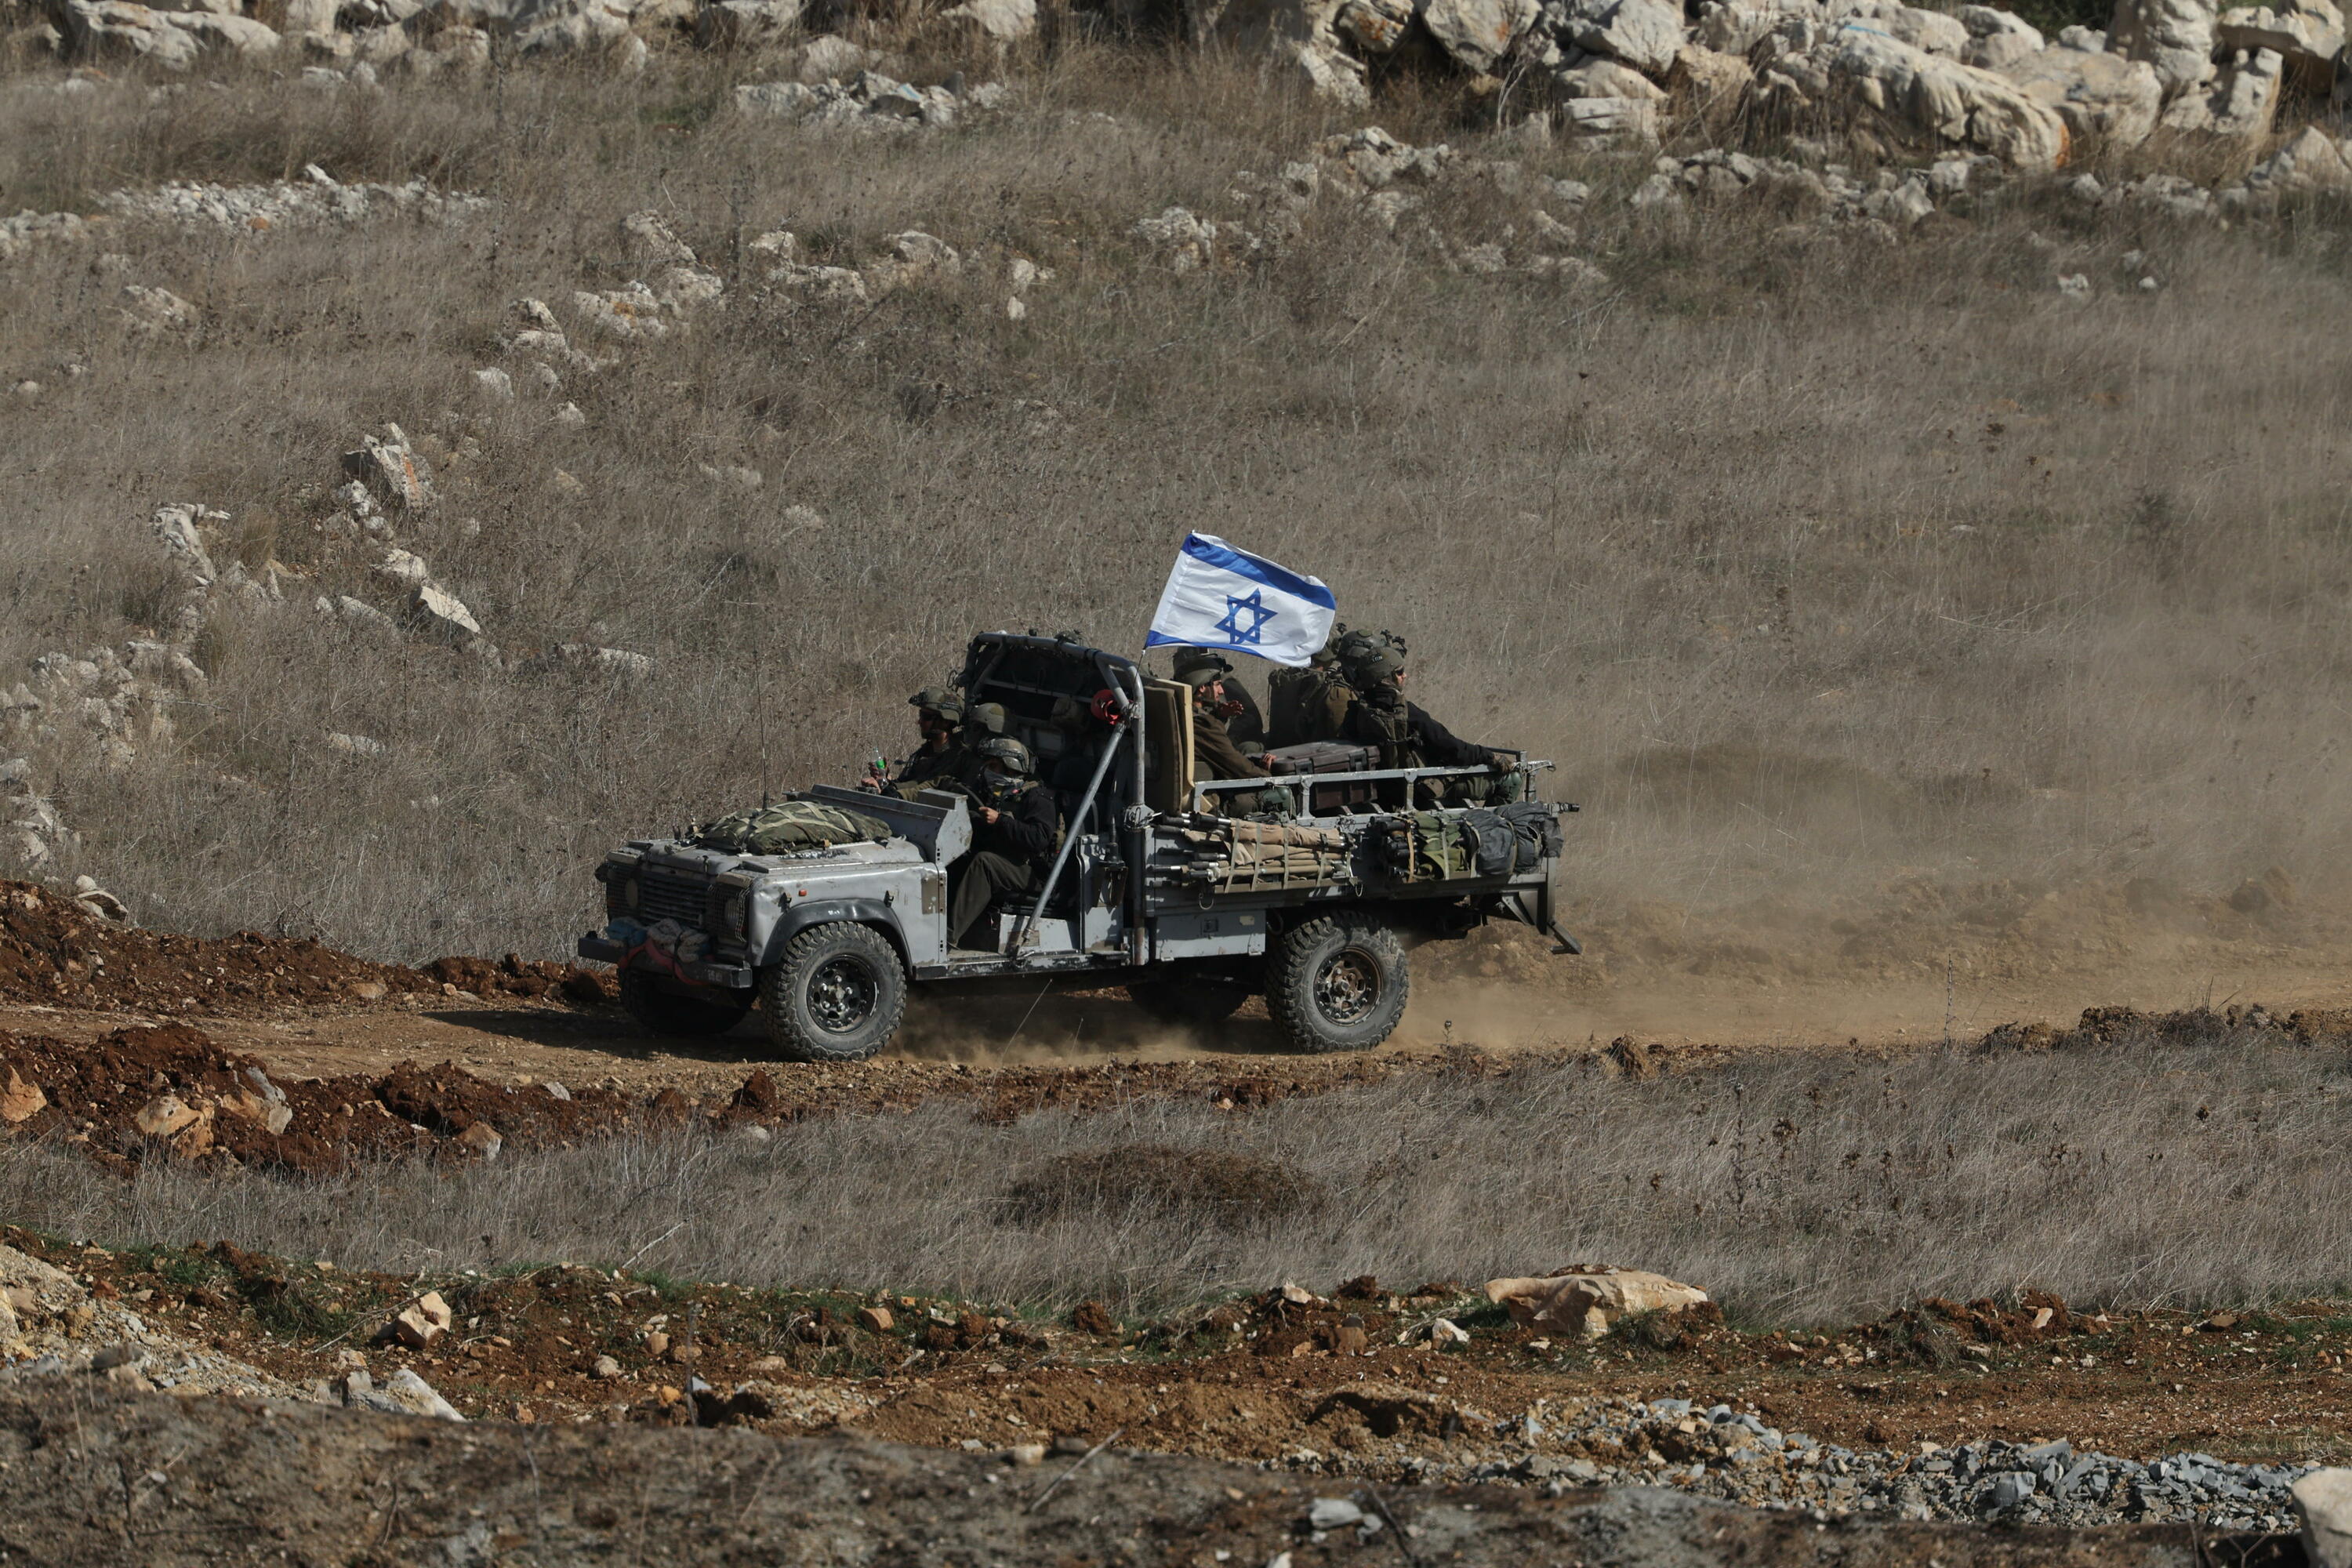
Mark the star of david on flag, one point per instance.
(1253, 607)
(1221, 597)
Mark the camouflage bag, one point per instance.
(788, 825)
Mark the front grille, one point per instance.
(666, 894)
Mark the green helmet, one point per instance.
(1006, 752)
(943, 701)
(1372, 665)
(1329, 654)
(985, 717)
(1199, 665)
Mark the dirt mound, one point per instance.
(141, 1093)
(108, 1097)
(53, 953)
(2251, 1025)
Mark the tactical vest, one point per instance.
(1305, 706)
(1389, 717)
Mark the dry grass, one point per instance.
(1813, 1190)
(1814, 560)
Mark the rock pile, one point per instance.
(343, 42)
(1733, 1456)
(51, 1326)
(1979, 79)
(870, 101)
(28, 228)
(319, 202)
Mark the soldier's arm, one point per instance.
(1215, 755)
(1444, 747)
(1030, 824)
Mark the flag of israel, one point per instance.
(1230, 600)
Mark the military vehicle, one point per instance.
(1194, 911)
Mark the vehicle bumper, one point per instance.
(733, 977)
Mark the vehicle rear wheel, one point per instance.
(836, 996)
(678, 1013)
(1338, 984)
(1188, 1001)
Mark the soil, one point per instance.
(1313, 1386)
(139, 1479)
(1320, 1385)
(52, 951)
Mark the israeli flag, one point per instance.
(1235, 602)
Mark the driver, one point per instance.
(1013, 828)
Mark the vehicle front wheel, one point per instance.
(678, 1013)
(1338, 984)
(836, 996)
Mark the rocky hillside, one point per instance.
(1972, 79)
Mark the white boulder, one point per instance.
(1997, 38)
(1606, 79)
(1911, 95)
(1183, 241)
(647, 240)
(1645, 33)
(2323, 1500)
(116, 29)
(833, 58)
(1003, 20)
(230, 35)
(1478, 32)
(438, 610)
(745, 23)
(1589, 1301)
(2103, 98)
(2308, 34)
(2238, 104)
(2313, 160)
(2176, 37)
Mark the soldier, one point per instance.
(1310, 704)
(1409, 738)
(939, 712)
(1014, 827)
(981, 721)
(1239, 711)
(1214, 754)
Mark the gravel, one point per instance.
(1734, 1456)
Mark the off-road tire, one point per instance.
(673, 1014)
(836, 995)
(1188, 1002)
(1338, 984)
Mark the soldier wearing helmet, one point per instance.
(1407, 736)
(1014, 829)
(1238, 709)
(1310, 704)
(1215, 754)
(942, 757)
(981, 721)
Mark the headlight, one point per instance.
(734, 912)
